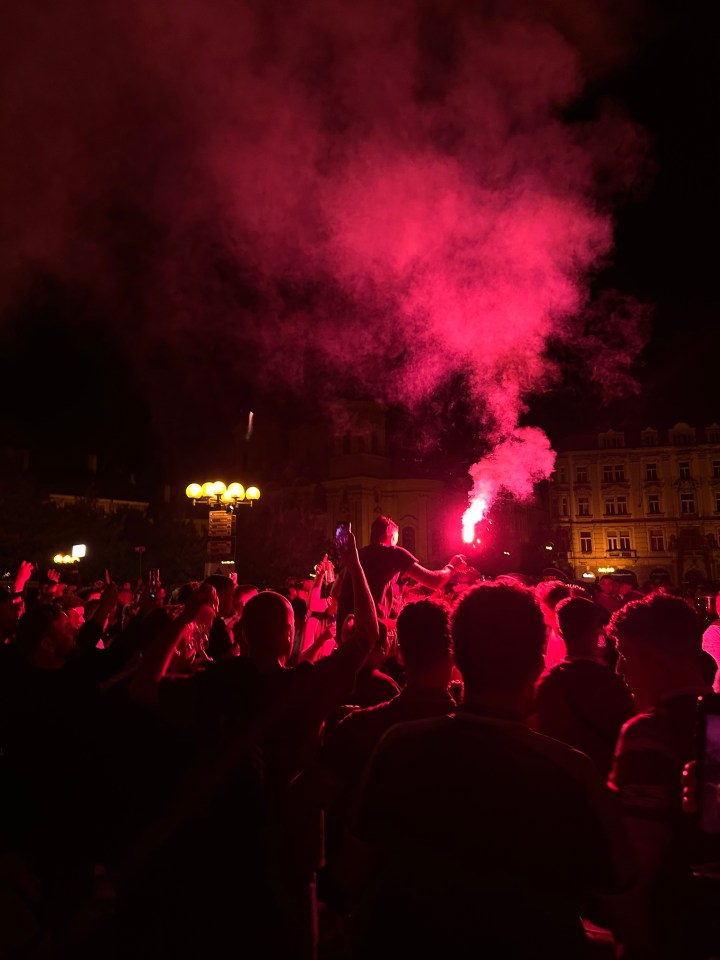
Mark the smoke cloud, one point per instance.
(378, 197)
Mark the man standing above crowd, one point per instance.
(383, 561)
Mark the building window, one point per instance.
(651, 471)
(408, 538)
(612, 542)
(583, 507)
(654, 503)
(717, 503)
(581, 475)
(716, 469)
(610, 507)
(657, 541)
(561, 475)
(622, 507)
(684, 469)
(624, 540)
(607, 474)
(564, 507)
(687, 503)
(586, 542)
(619, 473)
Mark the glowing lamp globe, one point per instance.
(236, 491)
(219, 488)
(252, 493)
(193, 491)
(58, 558)
(208, 489)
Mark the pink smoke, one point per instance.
(514, 465)
(402, 170)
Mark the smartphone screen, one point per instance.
(341, 533)
(708, 787)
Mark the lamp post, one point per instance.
(222, 500)
(71, 563)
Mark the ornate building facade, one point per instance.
(648, 502)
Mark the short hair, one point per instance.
(498, 635)
(219, 581)
(381, 528)
(550, 592)
(577, 619)
(264, 621)
(34, 625)
(662, 622)
(423, 631)
(182, 593)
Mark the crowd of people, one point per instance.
(382, 760)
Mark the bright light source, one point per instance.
(193, 491)
(506, 553)
(252, 493)
(589, 576)
(472, 516)
(79, 550)
(58, 558)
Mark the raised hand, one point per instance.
(23, 575)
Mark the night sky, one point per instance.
(491, 216)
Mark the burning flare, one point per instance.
(473, 515)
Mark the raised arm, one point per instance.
(366, 632)
(158, 657)
(435, 579)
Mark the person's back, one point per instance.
(487, 841)
(579, 701)
(486, 836)
(424, 639)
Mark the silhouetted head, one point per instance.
(46, 635)
(659, 640)
(423, 630)
(498, 636)
(384, 530)
(268, 625)
(225, 590)
(578, 623)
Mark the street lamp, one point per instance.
(222, 500)
(218, 496)
(79, 551)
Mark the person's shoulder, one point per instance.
(410, 731)
(562, 755)
(644, 731)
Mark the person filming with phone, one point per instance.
(383, 561)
